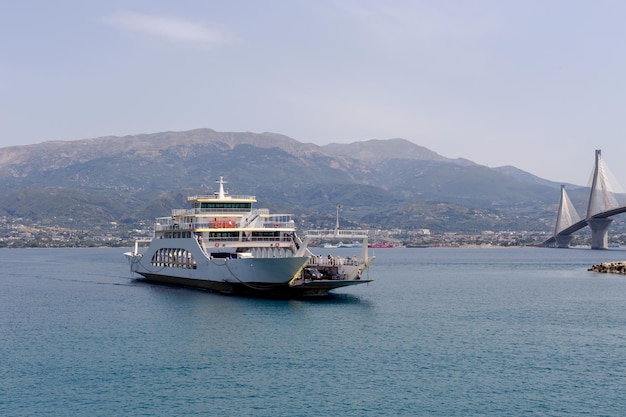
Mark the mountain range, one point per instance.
(389, 183)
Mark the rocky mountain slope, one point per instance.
(380, 183)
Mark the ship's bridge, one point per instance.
(230, 198)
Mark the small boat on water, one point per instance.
(349, 245)
(341, 245)
(223, 244)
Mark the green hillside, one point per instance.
(380, 184)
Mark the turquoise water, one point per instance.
(441, 332)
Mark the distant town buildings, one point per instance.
(20, 233)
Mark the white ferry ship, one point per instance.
(222, 243)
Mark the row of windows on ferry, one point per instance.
(225, 206)
(260, 235)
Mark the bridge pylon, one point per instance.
(566, 217)
(567, 214)
(563, 241)
(601, 199)
(599, 232)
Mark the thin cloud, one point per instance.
(410, 21)
(171, 29)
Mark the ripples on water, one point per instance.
(441, 332)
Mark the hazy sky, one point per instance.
(535, 84)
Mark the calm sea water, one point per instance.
(441, 332)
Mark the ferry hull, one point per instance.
(182, 262)
(317, 288)
(251, 288)
(321, 287)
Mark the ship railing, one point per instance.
(282, 241)
(318, 260)
(219, 211)
(216, 197)
(278, 225)
(198, 211)
(183, 212)
(216, 224)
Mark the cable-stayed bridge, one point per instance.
(601, 206)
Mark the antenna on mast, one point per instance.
(221, 192)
